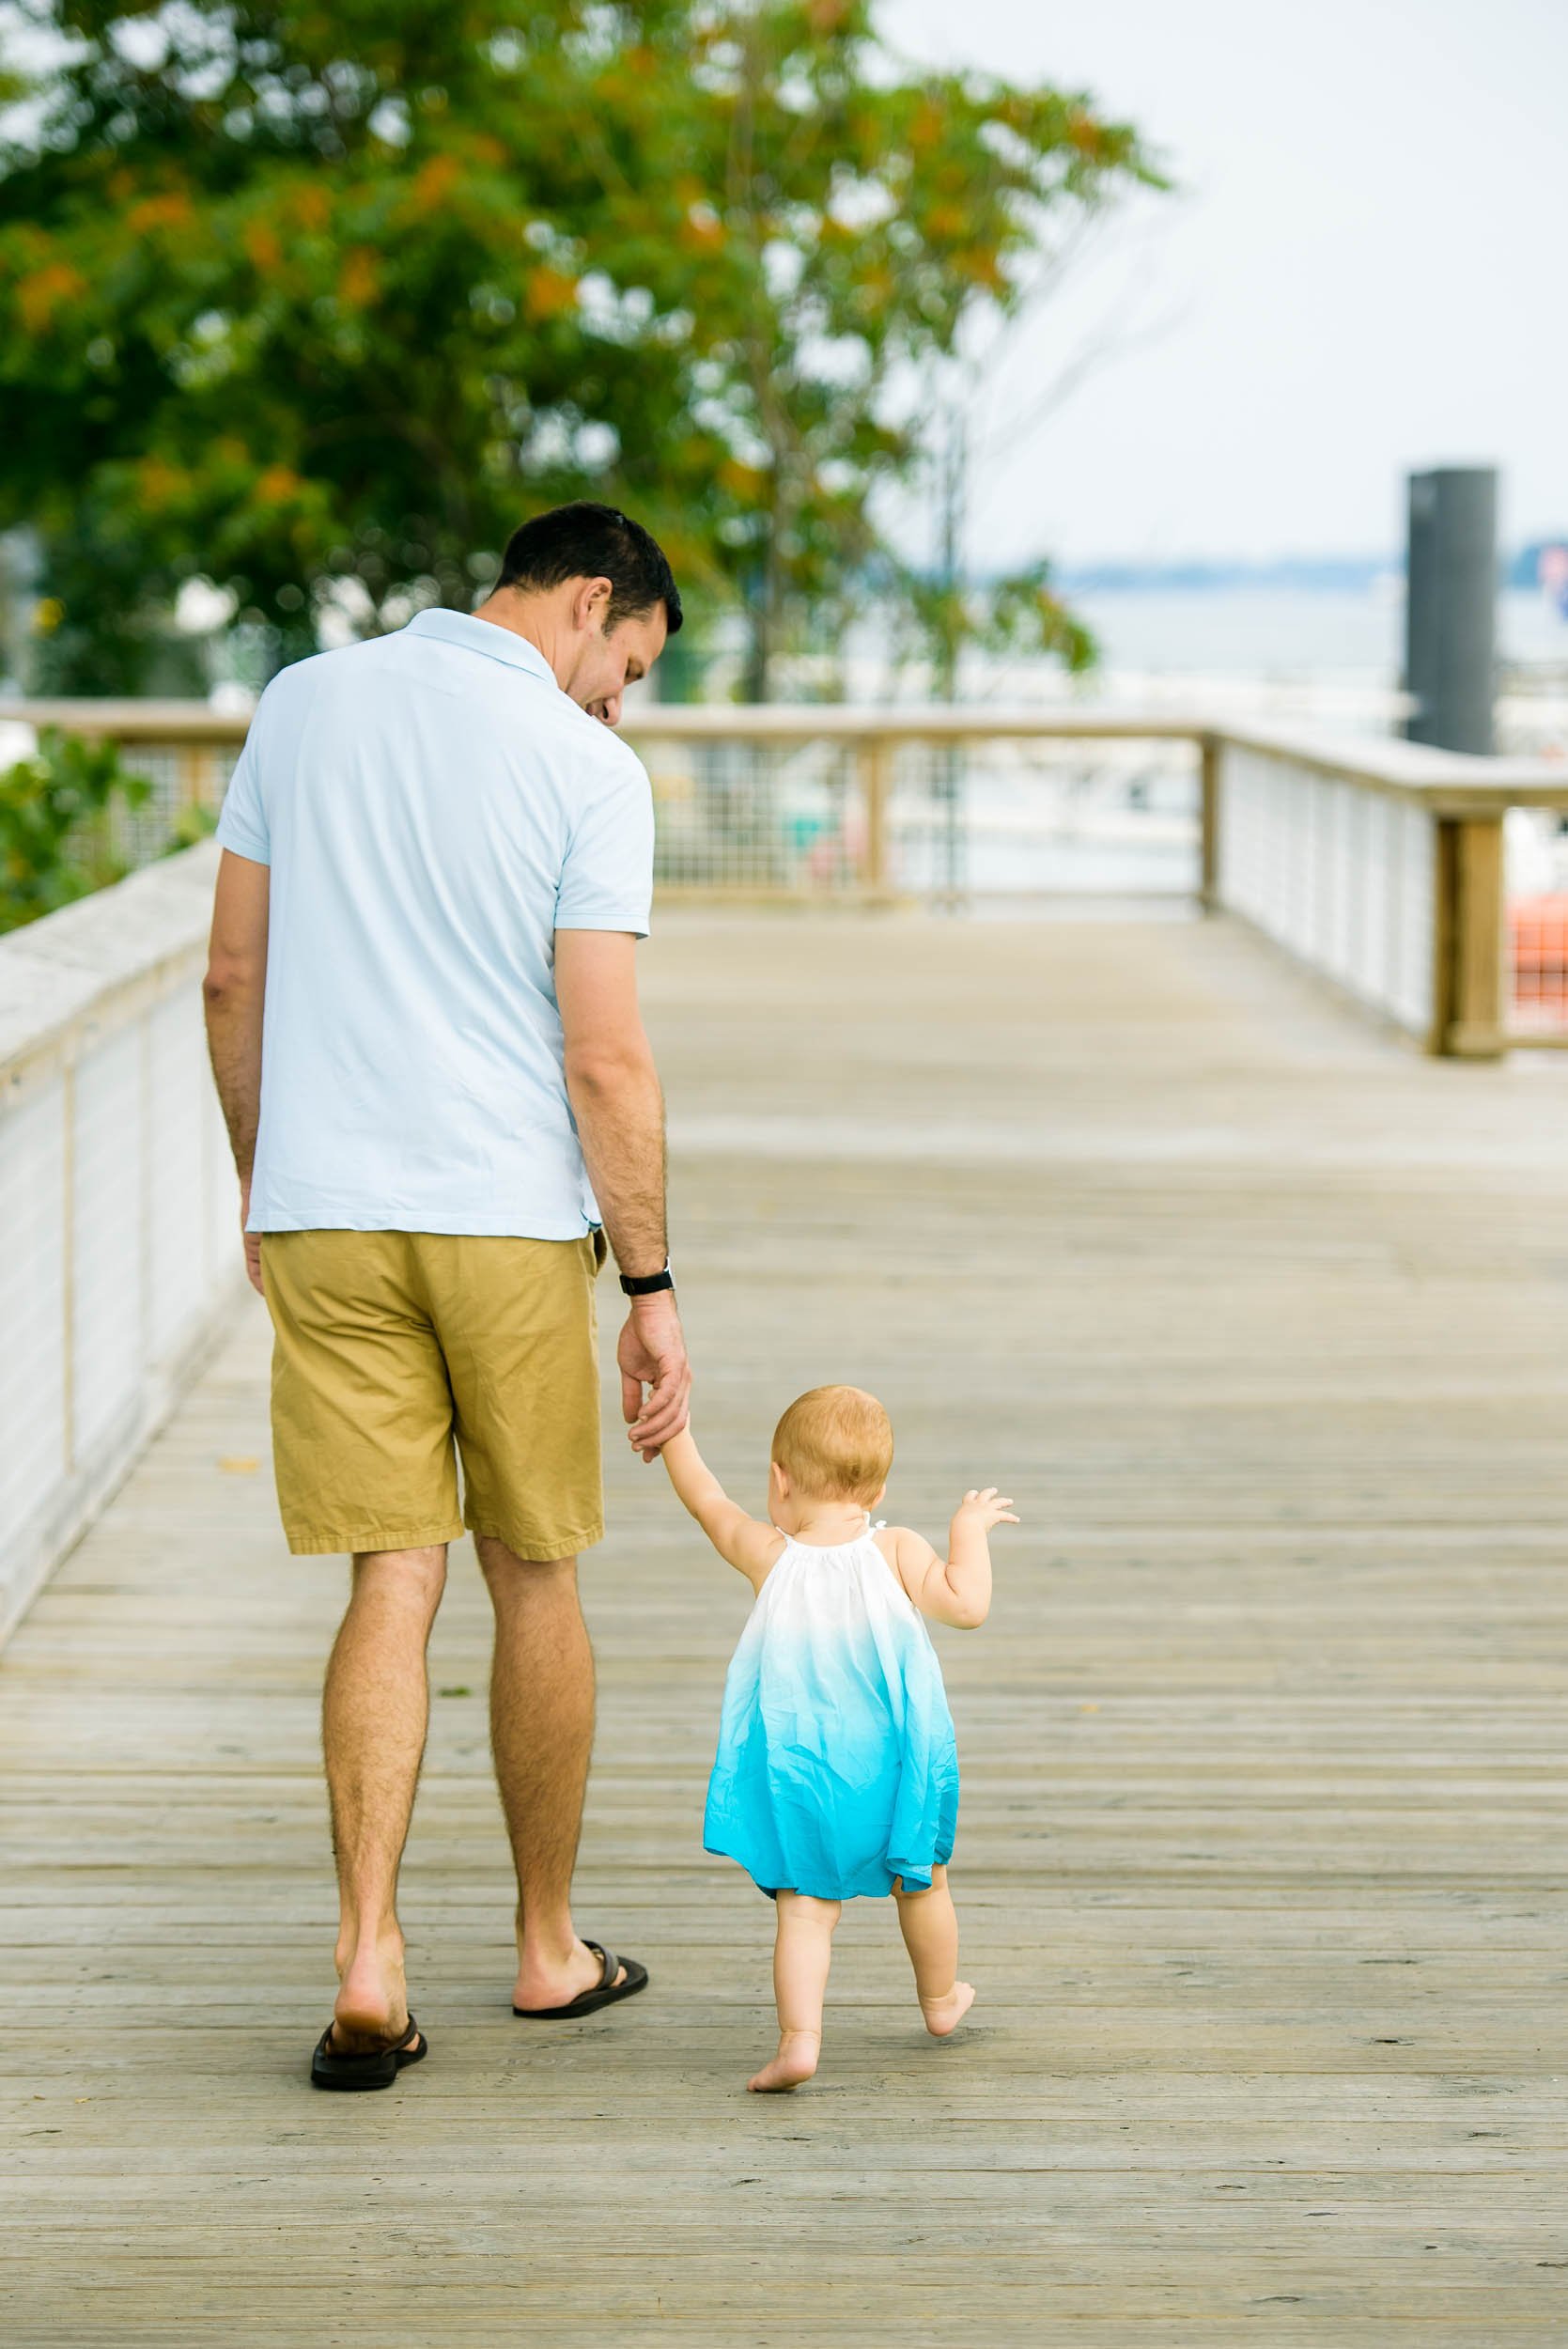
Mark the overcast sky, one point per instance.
(1365, 268)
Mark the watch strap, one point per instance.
(648, 1283)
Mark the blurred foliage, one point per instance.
(1024, 613)
(318, 303)
(1018, 613)
(56, 833)
(101, 624)
(194, 823)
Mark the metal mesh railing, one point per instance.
(1340, 877)
(183, 776)
(981, 817)
(1013, 820)
(752, 818)
(984, 821)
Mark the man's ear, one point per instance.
(591, 602)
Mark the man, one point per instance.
(422, 1010)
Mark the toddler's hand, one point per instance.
(982, 1510)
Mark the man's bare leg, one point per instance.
(541, 1734)
(375, 1710)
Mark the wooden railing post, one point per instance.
(1210, 752)
(196, 766)
(873, 765)
(1470, 935)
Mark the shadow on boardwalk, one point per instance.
(1262, 1319)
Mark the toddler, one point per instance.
(837, 1773)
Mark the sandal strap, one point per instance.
(370, 2055)
(610, 1965)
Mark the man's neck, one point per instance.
(527, 616)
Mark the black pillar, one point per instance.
(1450, 600)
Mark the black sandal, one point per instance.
(604, 1993)
(377, 2067)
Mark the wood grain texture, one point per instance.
(1261, 1318)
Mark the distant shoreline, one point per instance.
(1326, 574)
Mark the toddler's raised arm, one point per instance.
(744, 1543)
(956, 1589)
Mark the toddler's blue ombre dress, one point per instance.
(837, 1770)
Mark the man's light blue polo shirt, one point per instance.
(433, 809)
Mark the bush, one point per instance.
(56, 824)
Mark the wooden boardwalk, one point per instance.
(1264, 1321)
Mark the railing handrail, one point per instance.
(769, 721)
(131, 721)
(1450, 783)
(73, 972)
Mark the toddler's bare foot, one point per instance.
(795, 2062)
(943, 2015)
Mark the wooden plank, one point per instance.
(1260, 1864)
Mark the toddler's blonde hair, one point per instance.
(835, 1444)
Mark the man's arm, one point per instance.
(615, 1097)
(233, 993)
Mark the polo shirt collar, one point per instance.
(482, 636)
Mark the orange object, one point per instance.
(1539, 931)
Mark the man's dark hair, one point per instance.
(589, 541)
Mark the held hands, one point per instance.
(980, 1511)
(652, 1356)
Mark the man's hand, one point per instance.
(252, 1240)
(652, 1356)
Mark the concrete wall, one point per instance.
(119, 1249)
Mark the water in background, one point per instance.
(1287, 634)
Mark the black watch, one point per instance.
(648, 1283)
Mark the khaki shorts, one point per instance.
(389, 1344)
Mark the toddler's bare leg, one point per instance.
(801, 1956)
(930, 1924)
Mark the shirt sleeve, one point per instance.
(242, 826)
(607, 877)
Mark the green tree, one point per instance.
(318, 301)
